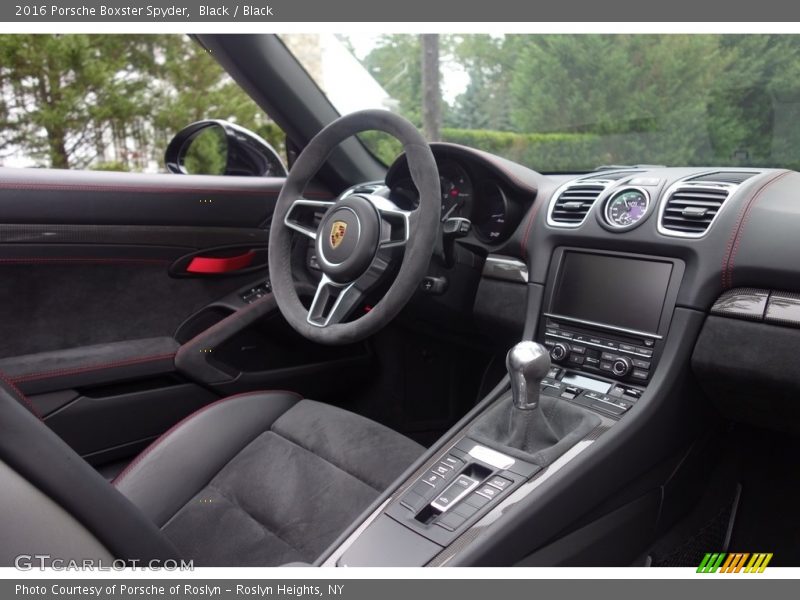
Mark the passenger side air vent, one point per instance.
(574, 202)
(691, 207)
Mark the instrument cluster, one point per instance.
(468, 193)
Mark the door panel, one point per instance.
(82, 295)
(98, 197)
(95, 287)
(45, 372)
(84, 256)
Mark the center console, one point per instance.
(601, 332)
(605, 321)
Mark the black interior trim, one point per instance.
(45, 460)
(45, 196)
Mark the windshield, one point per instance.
(568, 103)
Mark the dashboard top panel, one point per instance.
(731, 226)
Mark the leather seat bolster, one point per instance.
(168, 473)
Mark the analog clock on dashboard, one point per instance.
(626, 208)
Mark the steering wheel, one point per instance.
(358, 239)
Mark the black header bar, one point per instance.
(383, 11)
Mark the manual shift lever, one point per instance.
(517, 428)
(527, 364)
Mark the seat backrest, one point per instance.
(43, 482)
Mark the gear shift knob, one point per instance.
(527, 364)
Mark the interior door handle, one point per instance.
(210, 264)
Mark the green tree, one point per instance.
(395, 64)
(655, 88)
(754, 109)
(191, 86)
(112, 101)
(485, 104)
(60, 92)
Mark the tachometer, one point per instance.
(626, 207)
(456, 190)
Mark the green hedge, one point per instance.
(541, 151)
(560, 152)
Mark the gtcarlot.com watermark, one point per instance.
(30, 562)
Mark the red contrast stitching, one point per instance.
(736, 234)
(22, 396)
(537, 203)
(13, 185)
(111, 365)
(182, 422)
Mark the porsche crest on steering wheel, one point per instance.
(338, 229)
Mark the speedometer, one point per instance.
(627, 207)
(491, 215)
(456, 190)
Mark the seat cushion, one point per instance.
(295, 483)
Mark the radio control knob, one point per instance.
(621, 366)
(559, 352)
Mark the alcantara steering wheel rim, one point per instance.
(357, 237)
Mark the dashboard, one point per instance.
(600, 265)
(732, 226)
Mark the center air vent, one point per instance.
(691, 208)
(574, 202)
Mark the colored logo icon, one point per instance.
(734, 562)
(337, 233)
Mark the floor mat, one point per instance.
(749, 505)
(707, 528)
(768, 519)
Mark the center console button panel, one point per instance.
(624, 358)
(462, 486)
(439, 508)
(614, 402)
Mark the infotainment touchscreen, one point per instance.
(611, 290)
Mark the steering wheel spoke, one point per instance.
(333, 302)
(292, 218)
(396, 223)
(395, 227)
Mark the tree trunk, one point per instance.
(99, 144)
(49, 94)
(56, 140)
(431, 94)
